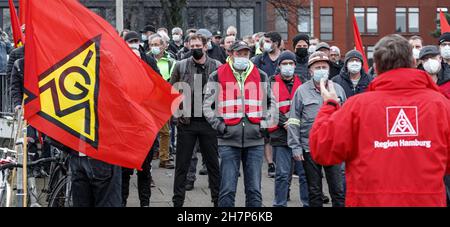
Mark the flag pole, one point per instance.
(119, 15)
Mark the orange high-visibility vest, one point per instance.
(232, 105)
(283, 96)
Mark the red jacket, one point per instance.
(394, 139)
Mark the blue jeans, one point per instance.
(283, 158)
(252, 159)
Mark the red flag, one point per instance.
(15, 26)
(22, 7)
(359, 44)
(445, 27)
(86, 88)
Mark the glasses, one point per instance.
(445, 44)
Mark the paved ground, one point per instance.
(200, 196)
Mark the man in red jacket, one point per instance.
(394, 139)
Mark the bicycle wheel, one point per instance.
(58, 197)
(56, 175)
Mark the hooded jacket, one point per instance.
(394, 139)
(344, 80)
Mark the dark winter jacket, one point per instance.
(343, 79)
(217, 53)
(301, 69)
(13, 57)
(173, 48)
(17, 82)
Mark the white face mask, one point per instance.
(354, 67)
(445, 52)
(432, 66)
(319, 74)
(287, 70)
(176, 38)
(240, 63)
(134, 46)
(268, 47)
(416, 53)
(312, 49)
(155, 50)
(210, 46)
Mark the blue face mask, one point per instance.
(287, 70)
(144, 37)
(240, 63)
(319, 74)
(155, 50)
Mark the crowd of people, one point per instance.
(258, 101)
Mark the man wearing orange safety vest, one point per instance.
(236, 104)
(283, 87)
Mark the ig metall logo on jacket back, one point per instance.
(401, 122)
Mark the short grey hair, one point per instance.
(177, 30)
(393, 52)
(156, 36)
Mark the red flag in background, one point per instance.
(15, 26)
(22, 7)
(359, 44)
(445, 27)
(87, 89)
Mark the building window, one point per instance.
(438, 11)
(407, 20)
(246, 22)
(229, 18)
(367, 19)
(211, 19)
(281, 24)
(326, 24)
(304, 20)
(438, 16)
(194, 15)
(370, 50)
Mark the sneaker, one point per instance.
(271, 171)
(189, 186)
(203, 171)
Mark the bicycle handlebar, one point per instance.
(31, 164)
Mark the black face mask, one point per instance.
(301, 52)
(197, 53)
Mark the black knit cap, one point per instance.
(299, 37)
(353, 54)
(286, 55)
(444, 38)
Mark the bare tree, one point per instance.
(172, 10)
(285, 8)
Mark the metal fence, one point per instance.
(5, 92)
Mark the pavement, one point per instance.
(200, 196)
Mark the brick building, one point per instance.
(331, 20)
